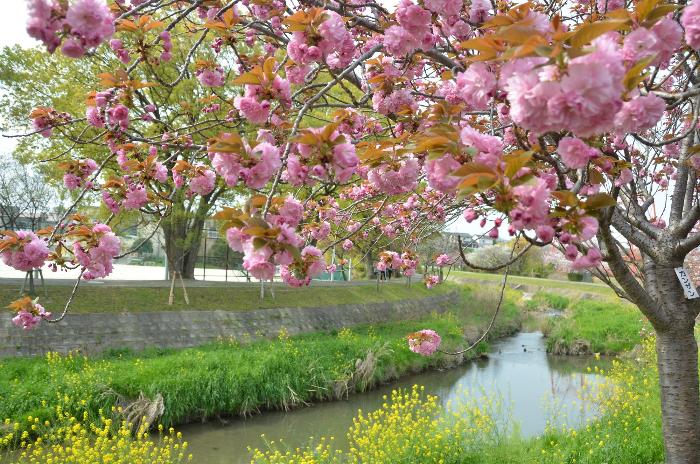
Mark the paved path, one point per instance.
(129, 275)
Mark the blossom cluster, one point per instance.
(424, 342)
(325, 38)
(88, 23)
(23, 250)
(95, 252)
(255, 166)
(321, 154)
(29, 313)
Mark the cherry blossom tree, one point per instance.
(573, 122)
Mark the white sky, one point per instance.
(13, 21)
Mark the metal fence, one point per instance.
(217, 261)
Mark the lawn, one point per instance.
(234, 297)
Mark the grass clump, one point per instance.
(595, 326)
(542, 300)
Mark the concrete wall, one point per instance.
(178, 329)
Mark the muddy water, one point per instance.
(534, 387)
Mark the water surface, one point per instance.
(534, 387)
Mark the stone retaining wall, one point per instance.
(93, 333)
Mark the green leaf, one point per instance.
(598, 201)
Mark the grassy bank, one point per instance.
(594, 326)
(227, 379)
(235, 297)
(547, 284)
(415, 428)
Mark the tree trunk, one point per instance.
(677, 360)
(182, 231)
(369, 266)
(180, 250)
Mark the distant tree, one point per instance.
(25, 197)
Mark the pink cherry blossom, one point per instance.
(669, 35)
(639, 44)
(398, 41)
(395, 179)
(91, 20)
(470, 214)
(591, 259)
(588, 226)
(267, 161)
(203, 183)
(211, 77)
(476, 86)
(97, 260)
(28, 318)
(393, 103)
(439, 170)
(489, 148)
(443, 260)
(94, 118)
(609, 5)
(45, 20)
(545, 233)
(136, 197)
(532, 209)
(641, 112)
(424, 342)
(690, 19)
(314, 258)
(446, 8)
(253, 110)
(291, 213)
(257, 262)
(575, 153)
(119, 115)
(431, 281)
(29, 253)
(413, 18)
(479, 11)
(228, 166)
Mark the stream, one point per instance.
(535, 388)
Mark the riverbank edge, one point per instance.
(93, 333)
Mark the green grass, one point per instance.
(605, 326)
(227, 379)
(547, 300)
(546, 284)
(235, 297)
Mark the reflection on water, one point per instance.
(535, 388)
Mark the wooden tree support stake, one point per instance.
(171, 297)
